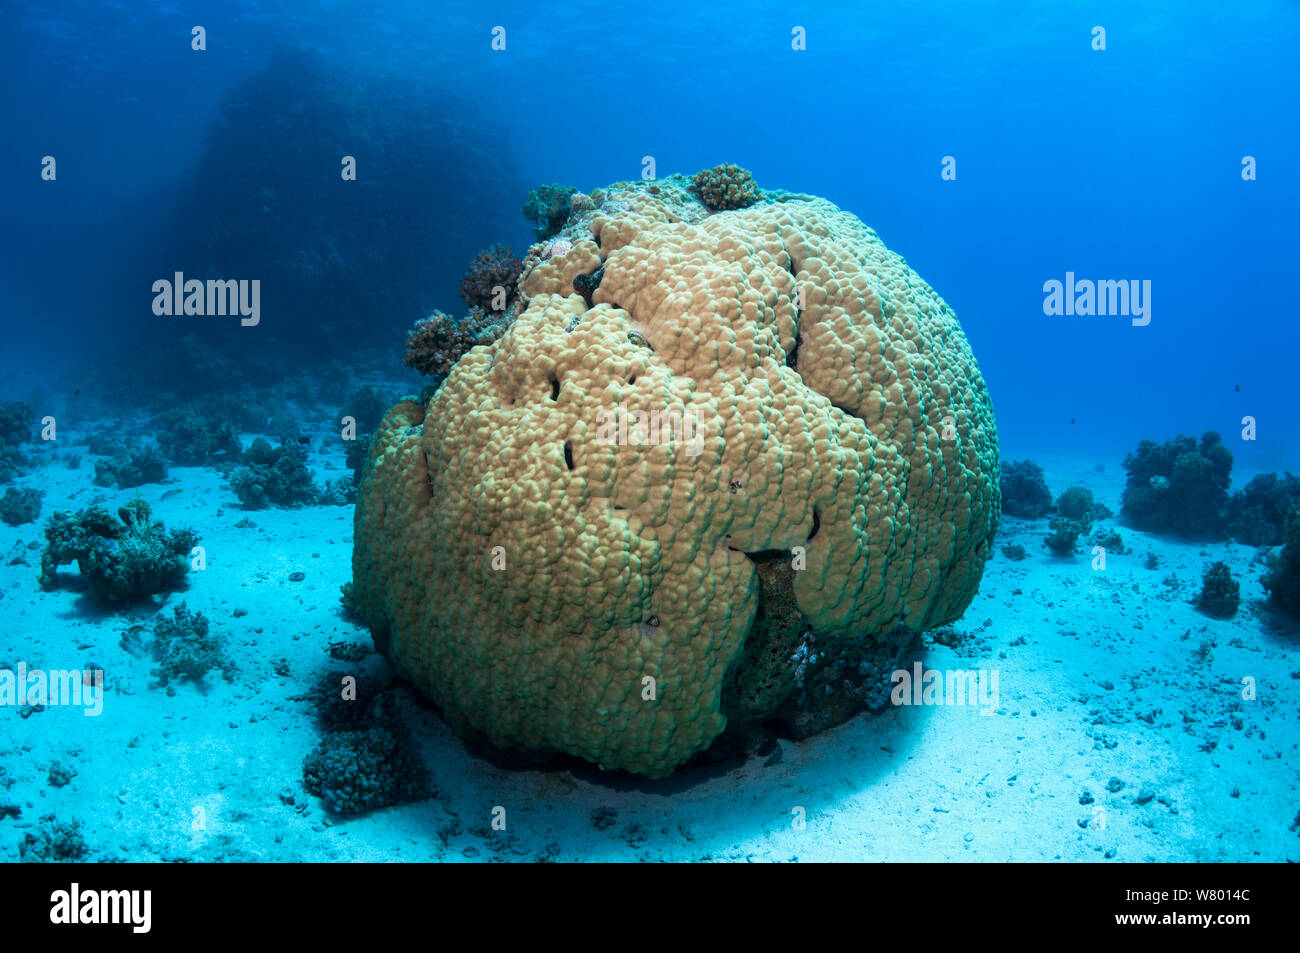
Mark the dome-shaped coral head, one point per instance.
(617, 527)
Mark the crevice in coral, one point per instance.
(555, 386)
(640, 340)
(586, 285)
(817, 523)
(568, 455)
(792, 359)
(762, 676)
(849, 411)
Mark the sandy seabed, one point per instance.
(1121, 731)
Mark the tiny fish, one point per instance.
(1238, 388)
(304, 439)
(1072, 420)
(170, 493)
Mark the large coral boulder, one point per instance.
(822, 469)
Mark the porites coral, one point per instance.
(528, 567)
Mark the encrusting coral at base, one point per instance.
(366, 758)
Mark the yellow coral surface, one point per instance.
(555, 549)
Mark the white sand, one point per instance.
(214, 772)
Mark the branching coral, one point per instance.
(273, 476)
(185, 648)
(122, 558)
(1220, 594)
(20, 506)
(548, 208)
(1257, 513)
(494, 268)
(190, 437)
(1076, 504)
(54, 841)
(358, 771)
(338, 492)
(1110, 541)
(1024, 491)
(16, 419)
(131, 465)
(367, 406)
(1180, 487)
(1064, 537)
(726, 187)
(437, 342)
(1282, 581)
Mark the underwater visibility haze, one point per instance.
(668, 432)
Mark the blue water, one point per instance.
(1122, 163)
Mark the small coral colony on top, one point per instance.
(706, 459)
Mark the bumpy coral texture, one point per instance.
(858, 429)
